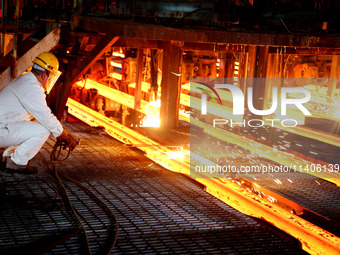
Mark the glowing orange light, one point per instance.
(153, 150)
(117, 76)
(177, 154)
(116, 64)
(145, 86)
(118, 54)
(149, 120)
(274, 154)
(313, 239)
(119, 97)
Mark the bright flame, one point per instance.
(149, 120)
(177, 154)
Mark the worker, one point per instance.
(26, 121)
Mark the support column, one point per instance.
(154, 75)
(171, 84)
(333, 75)
(259, 88)
(248, 73)
(139, 77)
(256, 67)
(75, 72)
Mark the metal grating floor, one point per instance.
(173, 215)
(29, 216)
(159, 212)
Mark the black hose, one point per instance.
(55, 156)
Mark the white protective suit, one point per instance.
(24, 138)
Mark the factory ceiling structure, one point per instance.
(141, 69)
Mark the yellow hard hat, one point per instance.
(50, 63)
(47, 61)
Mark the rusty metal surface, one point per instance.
(153, 32)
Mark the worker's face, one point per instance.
(44, 79)
(48, 80)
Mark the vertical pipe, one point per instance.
(139, 76)
(15, 38)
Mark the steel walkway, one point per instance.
(159, 212)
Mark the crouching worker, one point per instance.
(22, 100)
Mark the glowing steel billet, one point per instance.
(117, 76)
(118, 54)
(152, 149)
(116, 64)
(120, 97)
(145, 86)
(313, 134)
(314, 240)
(128, 100)
(262, 150)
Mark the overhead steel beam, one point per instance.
(154, 32)
(23, 63)
(304, 51)
(218, 47)
(137, 43)
(73, 74)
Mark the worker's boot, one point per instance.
(24, 169)
(4, 161)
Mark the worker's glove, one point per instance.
(69, 140)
